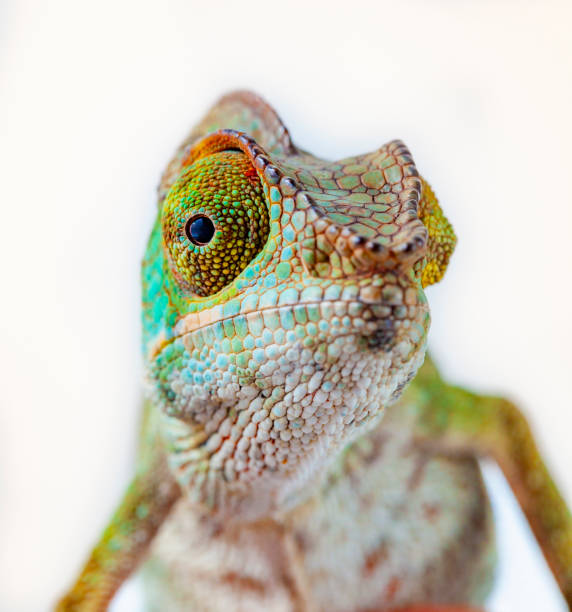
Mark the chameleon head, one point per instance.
(283, 310)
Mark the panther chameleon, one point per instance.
(299, 451)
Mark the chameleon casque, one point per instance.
(299, 452)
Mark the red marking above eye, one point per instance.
(251, 174)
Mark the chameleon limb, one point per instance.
(145, 505)
(454, 420)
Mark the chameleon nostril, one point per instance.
(374, 247)
(356, 240)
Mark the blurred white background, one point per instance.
(96, 97)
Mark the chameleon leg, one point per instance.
(454, 420)
(146, 503)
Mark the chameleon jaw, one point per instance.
(227, 461)
(287, 408)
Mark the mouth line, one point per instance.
(156, 350)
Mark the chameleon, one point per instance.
(299, 450)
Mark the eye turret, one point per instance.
(215, 221)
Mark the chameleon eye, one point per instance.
(215, 221)
(200, 230)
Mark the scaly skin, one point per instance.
(283, 317)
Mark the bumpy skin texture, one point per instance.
(288, 467)
(225, 189)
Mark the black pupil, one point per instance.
(200, 230)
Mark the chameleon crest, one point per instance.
(283, 303)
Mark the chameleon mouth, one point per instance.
(381, 326)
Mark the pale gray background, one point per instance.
(94, 99)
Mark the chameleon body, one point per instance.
(287, 461)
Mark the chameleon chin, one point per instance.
(299, 452)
